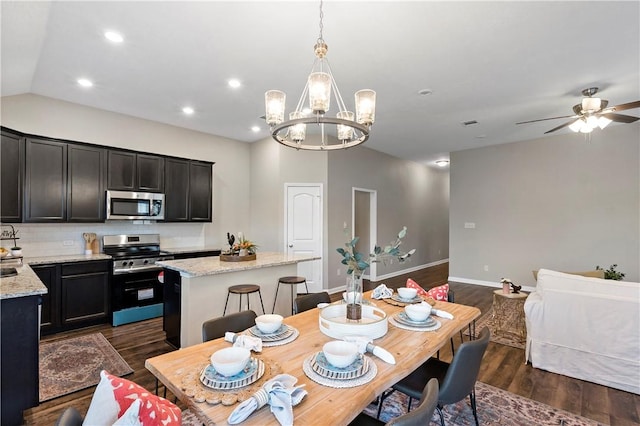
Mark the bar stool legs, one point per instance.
(240, 290)
(291, 281)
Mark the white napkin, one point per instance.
(440, 313)
(244, 341)
(381, 292)
(360, 342)
(281, 395)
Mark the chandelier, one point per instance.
(350, 129)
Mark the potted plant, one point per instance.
(16, 251)
(611, 273)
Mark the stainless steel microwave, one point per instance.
(126, 205)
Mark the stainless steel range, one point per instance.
(136, 292)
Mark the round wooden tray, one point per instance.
(236, 258)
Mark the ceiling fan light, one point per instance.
(591, 104)
(576, 125)
(586, 129)
(603, 122)
(592, 121)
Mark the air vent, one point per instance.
(469, 123)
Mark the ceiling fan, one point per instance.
(592, 113)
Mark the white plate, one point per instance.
(252, 372)
(403, 318)
(358, 368)
(397, 298)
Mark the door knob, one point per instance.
(290, 245)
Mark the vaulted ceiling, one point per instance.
(496, 63)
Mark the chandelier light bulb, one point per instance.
(297, 131)
(345, 132)
(274, 104)
(319, 92)
(365, 106)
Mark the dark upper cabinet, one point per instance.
(128, 171)
(150, 174)
(176, 190)
(86, 186)
(200, 186)
(45, 190)
(49, 316)
(121, 174)
(11, 177)
(188, 186)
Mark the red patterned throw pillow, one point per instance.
(437, 293)
(114, 396)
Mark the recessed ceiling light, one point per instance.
(114, 36)
(255, 129)
(85, 82)
(442, 163)
(188, 110)
(235, 83)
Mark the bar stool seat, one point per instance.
(292, 281)
(241, 289)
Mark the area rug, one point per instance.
(502, 338)
(496, 407)
(75, 363)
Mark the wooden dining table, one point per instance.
(323, 404)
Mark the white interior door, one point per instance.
(303, 215)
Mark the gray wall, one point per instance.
(409, 194)
(561, 202)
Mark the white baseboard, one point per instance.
(485, 283)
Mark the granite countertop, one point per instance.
(179, 250)
(26, 283)
(203, 266)
(64, 258)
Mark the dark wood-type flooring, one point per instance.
(503, 366)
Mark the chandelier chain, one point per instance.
(320, 39)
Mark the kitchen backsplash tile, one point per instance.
(48, 239)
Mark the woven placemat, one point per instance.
(193, 387)
(333, 383)
(393, 321)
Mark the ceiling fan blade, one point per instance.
(628, 105)
(559, 127)
(621, 118)
(550, 118)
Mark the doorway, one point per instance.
(303, 230)
(364, 223)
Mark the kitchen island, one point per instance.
(195, 290)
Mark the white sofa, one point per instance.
(587, 328)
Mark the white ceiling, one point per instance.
(494, 62)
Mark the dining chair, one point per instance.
(457, 380)
(238, 321)
(419, 417)
(310, 301)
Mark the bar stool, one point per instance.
(292, 281)
(241, 289)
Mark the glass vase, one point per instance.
(354, 297)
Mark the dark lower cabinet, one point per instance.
(11, 177)
(79, 294)
(84, 293)
(172, 299)
(45, 190)
(19, 340)
(85, 189)
(49, 316)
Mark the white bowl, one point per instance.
(418, 312)
(407, 293)
(16, 252)
(230, 361)
(340, 353)
(352, 297)
(269, 323)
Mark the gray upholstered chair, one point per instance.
(310, 301)
(457, 380)
(70, 417)
(236, 322)
(419, 417)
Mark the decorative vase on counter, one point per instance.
(243, 252)
(354, 297)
